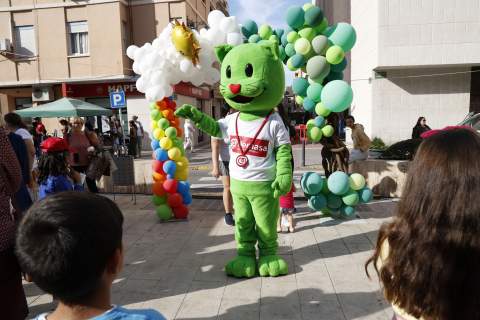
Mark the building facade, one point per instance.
(412, 59)
(51, 49)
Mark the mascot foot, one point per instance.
(242, 267)
(272, 266)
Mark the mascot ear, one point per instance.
(271, 47)
(221, 51)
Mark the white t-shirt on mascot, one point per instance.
(261, 158)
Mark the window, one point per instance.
(78, 38)
(22, 103)
(25, 41)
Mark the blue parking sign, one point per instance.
(117, 99)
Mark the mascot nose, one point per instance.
(234, 88)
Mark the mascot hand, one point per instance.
(190, 112)
(281, 185)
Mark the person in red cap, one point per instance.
(55, 175)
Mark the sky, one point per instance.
(271, 12)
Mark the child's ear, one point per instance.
(115, 264)
(221, 51)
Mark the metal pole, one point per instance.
(303, 153)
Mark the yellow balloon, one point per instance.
(184, 160)
(181, 174)
(158, 133)
(185, 42)
(153, 125)
(174, 154)
(165, 143)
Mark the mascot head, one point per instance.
(252, 76)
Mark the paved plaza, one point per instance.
(177, 267)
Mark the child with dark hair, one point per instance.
(75, 253)
(428, 257)
(54, 173)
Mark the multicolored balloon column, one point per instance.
(338, 195)
(309, 44)
(171, 191)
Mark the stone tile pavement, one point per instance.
(177, 267)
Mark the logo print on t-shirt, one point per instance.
(258, 149)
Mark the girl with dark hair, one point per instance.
(420, 128)
(54, 173)
(428, 257)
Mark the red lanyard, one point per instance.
(243, 153)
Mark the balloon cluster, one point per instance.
(311, 45)
(171, 191)
(338, 195)
(317, 128)
(181, 54)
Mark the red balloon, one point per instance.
(170, 185)
(157, 166)
(180, 212)
(158, 189)
(174, 200)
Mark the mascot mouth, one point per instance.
(242, 99)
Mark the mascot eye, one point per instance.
(249, 70)
(229, 72)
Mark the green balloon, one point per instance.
(347, 212)
(334, 76)
(314, 91)
(342, 34)
(307, 6)
(318, 67)
(299, 100)
(164, 212)
(307, 33)
(254, 38)
(171, 132)
(322, 111)
(300, 86)
(337, 95)
(295, 17)
(320, 44)
(357, 181)
(265, 31)
(298, 61)
(290, 50)
(302, 46)
(153, 106)
(328, 131)
(339, 67)
(334, 201)
(155, 115)
(290, 66)
(316, 134)
(310, 124)
(273, 38)
(249, 28)
(292, 36)
(351, 198)
(313, 16)
(163, 123)
(335, 54)
(322, 26)
(157, 201)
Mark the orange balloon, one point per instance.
(162, 105)
(158, 177)
(167, 113)
(174, 123)
(179, 132)
(158, 189)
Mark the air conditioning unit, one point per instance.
(5, 45)
(42, 94)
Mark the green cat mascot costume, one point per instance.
(253, 82)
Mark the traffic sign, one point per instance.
(117, 99)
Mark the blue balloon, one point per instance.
(249, 28)
(309, 104)
(313, 183)
(155, 144)
(169, 167)
(319, 121)
(300, 86)
(187, 198)
(279, 32)
(339, 183)
(284, 40)
(347, 211)
(161, 155)
(365, 195)
(298, 60)
(183, 187)
(317, 202)
(339, 67)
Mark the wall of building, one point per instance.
(428, 32)
(401, 99)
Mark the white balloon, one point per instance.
(140, 84)
(168, 91)
(234, 39)
(186, 65)
(131, 51)
(203, 32)
(229, 24)
(215, 17)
